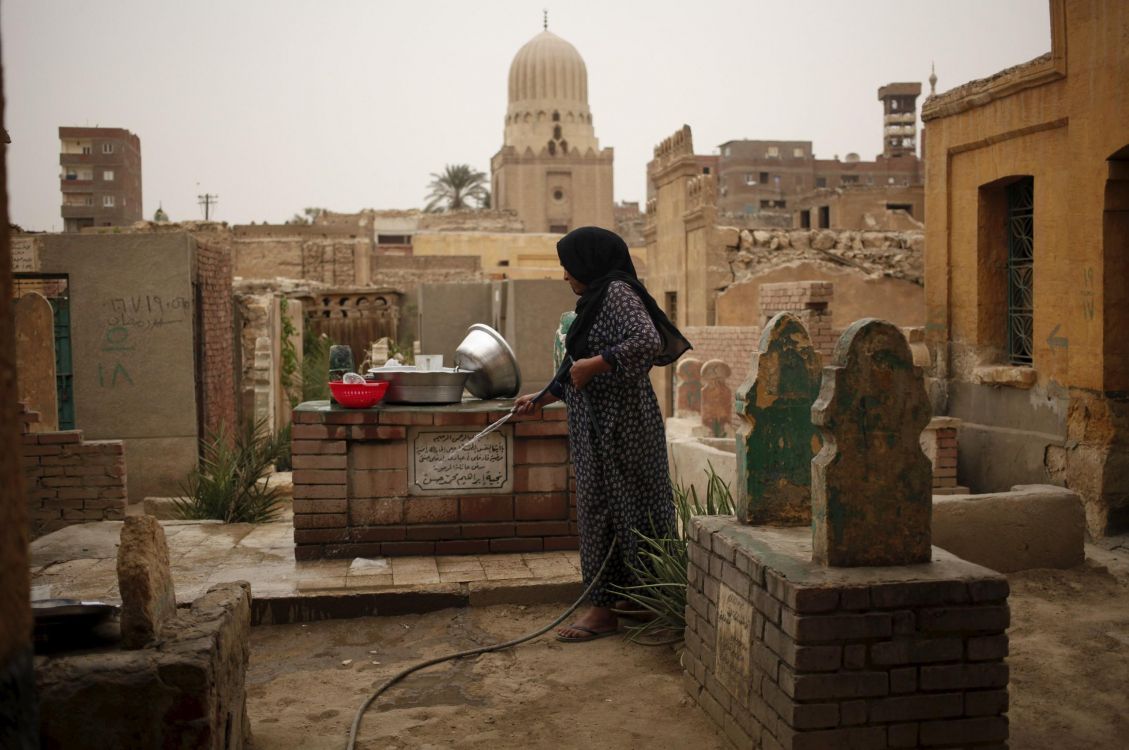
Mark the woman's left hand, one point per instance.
(583, 370)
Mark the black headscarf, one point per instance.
(597, 257)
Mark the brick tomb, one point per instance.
(854, 632)
(385, 481)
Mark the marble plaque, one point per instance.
(439, 464)
(732, 665)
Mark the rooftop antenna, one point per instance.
(545, 19)
(932, 79)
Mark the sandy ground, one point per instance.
(1069, 677)
(605, 694)
(1069, 642)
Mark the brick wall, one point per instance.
(784, 653)
(70, 480)
(351, 495)
(810, 301)
(216, 373)
(733, 345)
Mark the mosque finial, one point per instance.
(932, 79)
(545, 19)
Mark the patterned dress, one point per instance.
(618, 443)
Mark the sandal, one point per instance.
(592, 634)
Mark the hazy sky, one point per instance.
(276, 105)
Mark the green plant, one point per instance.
(289, 356)
(660, 568)
(226, 485)
(280, 448)
(315, 367)
(454, 188)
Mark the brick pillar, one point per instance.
(810, 301)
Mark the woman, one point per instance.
(615, 429)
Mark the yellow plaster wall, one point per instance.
(1061, 129)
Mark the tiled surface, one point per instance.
(79, 562)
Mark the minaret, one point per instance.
(932, 79)
(899, 120)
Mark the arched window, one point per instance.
(552, 148)
(557, 132)
(556, 116)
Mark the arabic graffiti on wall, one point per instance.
(126, 317)
(442, 462)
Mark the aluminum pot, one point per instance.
(493, 368)
(410, 385)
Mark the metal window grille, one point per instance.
(1020, 270)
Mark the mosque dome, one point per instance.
(548, 99)
(548, 68)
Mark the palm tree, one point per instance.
(451, 190)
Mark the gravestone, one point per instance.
(688, 387)
(717, 399)
(871, 499)
(35, 360)
(776, 438)
(144, 580)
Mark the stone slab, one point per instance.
(788, 551)
(1033, 526)
(144, 580)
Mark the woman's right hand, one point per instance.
(525, 404)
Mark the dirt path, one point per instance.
(1069, 642)
(608, 693)
(1069, 678)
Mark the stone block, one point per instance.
(188, 691)
(717, 398)
(144, 580)
(1032, 526)
(776, 439)
(871, 499)
(688, 387)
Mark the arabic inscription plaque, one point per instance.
(442, 464)
(734, 640)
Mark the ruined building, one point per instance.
(100, 177)
(551, 169)
(1027, 274)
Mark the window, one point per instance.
(907, 207)
(108, 175)
(798, 153)
(764, 177)
(107, 201)
(805, 219)
(824, 217)
(849, 179)
(1020, 269)
(772, 152)
(893, 104)
(749, 179)
(705, 170)
(70, 174)
(821, 182)
(558, 195)
(107, 148)
(557, 132)
(557, 118)
(86, 150)
(552, 148)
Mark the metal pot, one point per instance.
(410, 385)
(494, 372)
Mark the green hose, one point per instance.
(474, 651)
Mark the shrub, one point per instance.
(315, 367)
(662, 564)
(225, 486)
